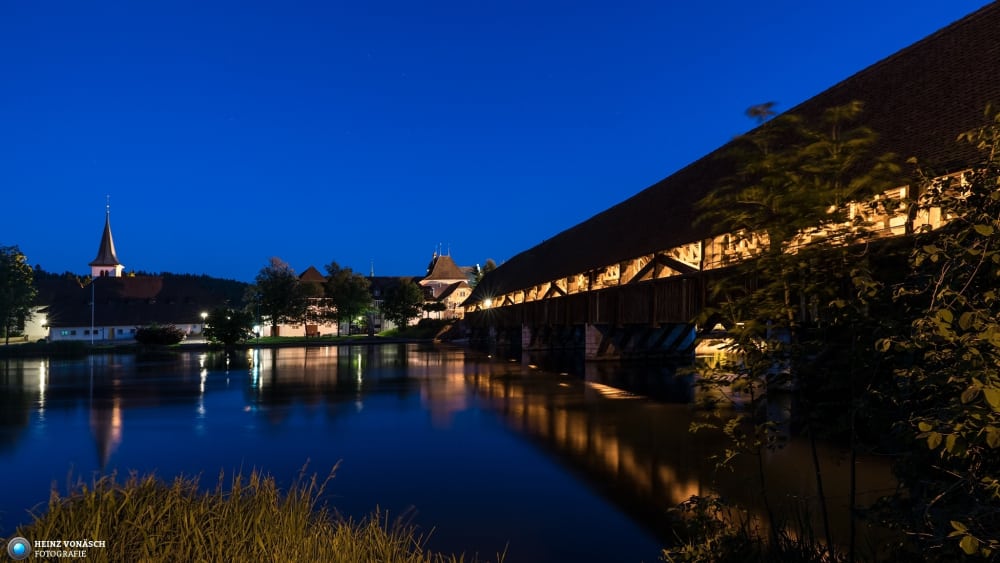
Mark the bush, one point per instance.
(159, 335)
(228, 326)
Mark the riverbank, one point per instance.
(70, 349)
(244, 518)
(423, 333)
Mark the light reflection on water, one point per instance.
(488, 452)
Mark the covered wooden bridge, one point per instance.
(632, 279)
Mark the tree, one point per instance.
(947, 381)
(798, 300)
(480, 273)
(349, 293)
(228, 326)
(402, 302)
(279, 294)
(791, 193)
(17, 290)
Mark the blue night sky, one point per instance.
(230, 132)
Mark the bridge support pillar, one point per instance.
(599, 343)
(527, 337)
(607, 342)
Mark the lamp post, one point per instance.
(204, 318)
(92, 282)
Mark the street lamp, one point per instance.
(204, 317)
(92, 311)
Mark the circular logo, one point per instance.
(18, 548)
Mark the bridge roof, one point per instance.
(918, 101)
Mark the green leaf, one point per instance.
(934, 440)
(924, 427)
(993, 437)
(969, 545)
(985, 230)
(949, 443)
(993, 398)
(958, 526)
(945, 315)
(970, 395)
(965, 321)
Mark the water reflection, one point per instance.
(489, 450)
(23, 384)
(643, 450)
(107, 386)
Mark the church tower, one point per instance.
(106, 264)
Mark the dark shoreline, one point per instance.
(79, 349)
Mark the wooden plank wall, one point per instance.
(677, 299)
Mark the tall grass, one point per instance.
(242, 519)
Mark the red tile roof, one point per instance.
(135, 301)
(444, 268)
(312, 275)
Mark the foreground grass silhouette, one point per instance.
(147, 519)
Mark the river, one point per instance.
(546, 460)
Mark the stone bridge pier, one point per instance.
(611, 342)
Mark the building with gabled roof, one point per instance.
(111, 306)
(312, 275)
(320, 305)
(447, 284)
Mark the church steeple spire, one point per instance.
(106, 263)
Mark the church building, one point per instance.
(110, 306)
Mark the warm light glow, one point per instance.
(487, 303)
(42, 375)
(609, 392)
(359, 370)
(255, 365)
